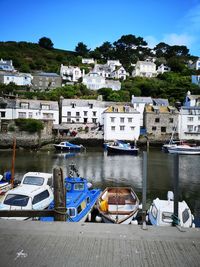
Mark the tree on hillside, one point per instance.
(45, 43)
(81, 49)
(106, 50)
(161, 49)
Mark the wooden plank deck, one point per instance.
(29, 243)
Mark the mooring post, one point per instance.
(176, 187)
(144, 190)
(13, 163)
(59, 195)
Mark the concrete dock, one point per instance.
(30, 243)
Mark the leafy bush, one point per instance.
(29, 125)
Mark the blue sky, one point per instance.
(67, 22)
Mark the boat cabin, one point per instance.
(27, 197)
(37, 178)
(161, 213)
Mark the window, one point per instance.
(112, 128)
(157, 119)
(163, 129)
(46, 107)
(94, 120)
(30, 114)
(153, 128)
(71, 212)
(2, 114)
(130, 119)
(94, 113)
(79, 186)
(77, 114)
(40, 197)
(198, 118)
(90, 105)
(69, 187)
(69, 113)
(88, 200)
(68, 120)
(16, 200)
(22, 114)
(185, 215)
(85, 113)
(190, 118)
(33, 180)
(47, 116)
(154, 212)
(121, 128)
(190, 128)
(77, 120)
(171, 120)
(24, 105)
(73, 105)
(112, 119)
(132, 128)
(122, 120)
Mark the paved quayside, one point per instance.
(30, 243)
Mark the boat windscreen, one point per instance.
(16, 200)
(33, 180)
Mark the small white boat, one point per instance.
(161, 213)
(184, 149)
(118, 205)
(67, 146)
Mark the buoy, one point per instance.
(98, 219)
(134, 222)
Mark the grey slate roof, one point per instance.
(160, 102)
(142, 99)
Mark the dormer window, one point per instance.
(45, 107)
(90, 105)
(24, 105)
(73, 105)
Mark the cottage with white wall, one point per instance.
(70, 73)
(145, 69)
(191, 100)
(26, 108)
(88, 61)
(20, 79)
(189, 123)
(6, 65)
(83, 111)
(163, 68)
(195, 65)
(121, 122)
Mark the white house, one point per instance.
(93, 81)
(162, 69)
(189, 123)
(70, 73)
(83, 111)
(145, 69)
(119, 73)
(139, 105)
(121, 122)
(17, 78)
(26, 108)
(195, 65)
(6, 65)
(88, 61)
(191, 100)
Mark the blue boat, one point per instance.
(80, 198)
(67, 146)
(121, 148)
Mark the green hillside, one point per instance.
(28, 57)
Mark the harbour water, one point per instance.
(102, 170)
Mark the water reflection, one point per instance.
(103, 170)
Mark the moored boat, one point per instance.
(184, 149)
(67, 146)
(161, 213)
(80, 197)
(121, 148)
(118, 205)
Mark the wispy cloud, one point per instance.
(191, 22)
(179, 39)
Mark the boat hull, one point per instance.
(118, 205)
(184, 151)
(112, 150)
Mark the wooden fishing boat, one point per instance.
(118, 205)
